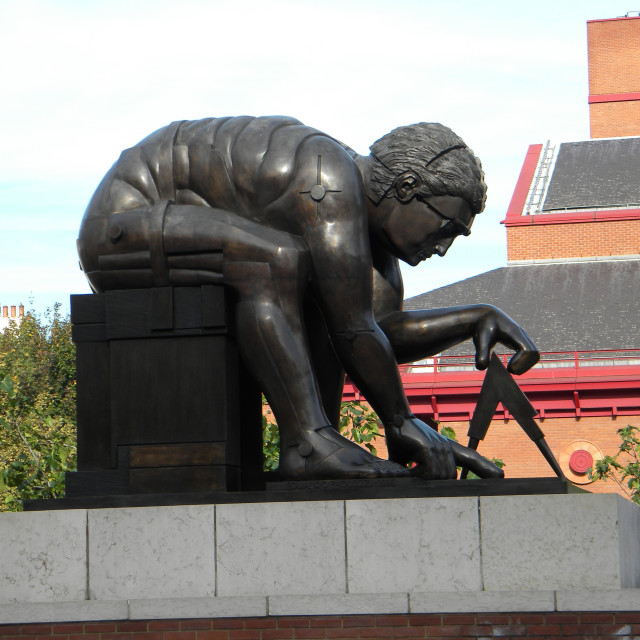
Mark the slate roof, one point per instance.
(595, 173)
(566, 306)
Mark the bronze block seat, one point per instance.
(159, 384)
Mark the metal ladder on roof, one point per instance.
(540, 181)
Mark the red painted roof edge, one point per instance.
(614, 97)
(523, 184)
(573, 217)
(610, 19)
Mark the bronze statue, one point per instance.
(308, 234)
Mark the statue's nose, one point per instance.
(443, 246)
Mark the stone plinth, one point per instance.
(412, 555)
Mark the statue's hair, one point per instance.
(443, 161)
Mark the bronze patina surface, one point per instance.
(307, 235)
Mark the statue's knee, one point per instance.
(290, 261)
(280, 278)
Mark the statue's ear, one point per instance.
(407, 185)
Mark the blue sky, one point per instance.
(82, 80)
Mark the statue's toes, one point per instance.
(350, 464)
(328, 456)
(390, 469)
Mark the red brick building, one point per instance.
(572, 280)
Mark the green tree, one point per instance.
(623, 467)
(37, 408)
(270, 439)
(360, 423)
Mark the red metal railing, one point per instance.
(562, 384)
(575, 360)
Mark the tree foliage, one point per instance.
(270, 439)
(37, 408)
(623, 467)
(360, 423)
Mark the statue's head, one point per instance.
(438, 161)
(426, 187)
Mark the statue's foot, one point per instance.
(325, 455)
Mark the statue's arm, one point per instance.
(419, 334)
(422, 333)
(342, 284)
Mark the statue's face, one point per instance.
(420, 228)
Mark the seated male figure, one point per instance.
(308, 235)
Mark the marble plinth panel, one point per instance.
(423, 555)
(422, 544)
(481, 601)
(338, 604)
(280, 548)
(250, 606)
(559, 542)
(151, 552)
(43, 556)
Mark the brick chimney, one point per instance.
(614, 76)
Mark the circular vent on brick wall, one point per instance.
(576, 459)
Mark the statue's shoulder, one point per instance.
(221, 131)
(231, 128)
(239, 134)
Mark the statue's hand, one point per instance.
(435, 455)
(411, 440)
(496, 326)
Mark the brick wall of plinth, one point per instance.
(577, 240)
(601, 625)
